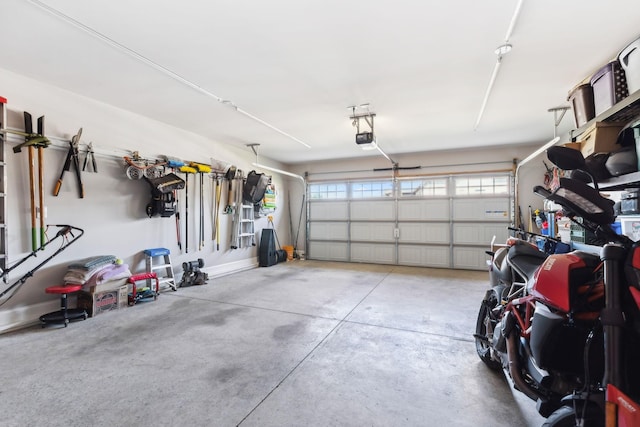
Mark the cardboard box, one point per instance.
(100, 302)
(107, 286)
(573, 145)
(600, 137)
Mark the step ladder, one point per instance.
(243, 228)
(247, 232)
(158, 259)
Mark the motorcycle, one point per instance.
(565, 328)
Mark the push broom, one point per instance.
(175, 165)
(202, 169)
(186, 170)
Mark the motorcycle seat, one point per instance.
(525, 259)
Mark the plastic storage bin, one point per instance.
(629, 202)
(609, 86)
(630, 226)
(581, 98)
(629, 59)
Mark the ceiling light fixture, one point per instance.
(500, 51)
(503, 49)
(159, 67)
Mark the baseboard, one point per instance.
(22, 317)
(231, 267)
(25, 316)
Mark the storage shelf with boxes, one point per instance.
(623, 112)
(610, 94)
(600, 137)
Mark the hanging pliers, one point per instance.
(91, 155)
(72, 156)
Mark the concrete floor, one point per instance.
(303, 343)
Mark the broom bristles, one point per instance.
(174, 162)
(202, 168)
(187, 169)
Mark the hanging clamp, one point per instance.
(90, 155)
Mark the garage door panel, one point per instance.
(467, 233)
(376, 253)
(446, 222)
(328, 211)
(481, 209)
(424, 256)
(372, 231)
(424, 232)
(423, 210)
(373, 210)
(330, 251)
(469, 258)
(329, 231)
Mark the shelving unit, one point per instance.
(623, 112)
(619, 183)
(3, 187)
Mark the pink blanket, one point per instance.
(97, 276)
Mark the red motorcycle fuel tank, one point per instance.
(551, 282)
(626, 410)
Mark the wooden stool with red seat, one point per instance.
(65, 314)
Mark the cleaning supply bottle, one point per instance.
(538, 219)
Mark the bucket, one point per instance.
(289, 250)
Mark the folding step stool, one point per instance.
(167, 278)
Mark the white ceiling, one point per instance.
(298, 64)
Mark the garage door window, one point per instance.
(328, 191)
(371, 189)
(423, 187)
(481, 186)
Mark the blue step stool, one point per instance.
(154, 265)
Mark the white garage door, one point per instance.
(436, 222)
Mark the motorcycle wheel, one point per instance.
(486, 316)
(566, 417)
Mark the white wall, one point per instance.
(113, 210)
